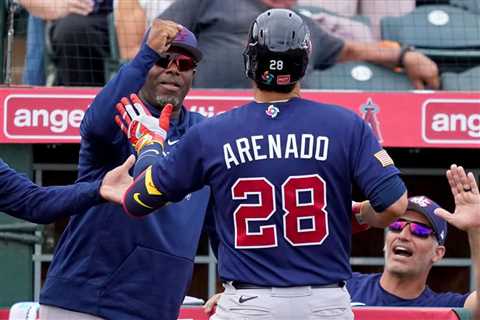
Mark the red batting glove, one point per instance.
(357, 224)
(139, 125)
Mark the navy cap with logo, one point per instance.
(187, 41)
(426, 206)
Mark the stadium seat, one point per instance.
(357, 76)
(465, 81)
(447, 34)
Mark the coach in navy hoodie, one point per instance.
(108, 265)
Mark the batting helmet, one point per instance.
(277, 51)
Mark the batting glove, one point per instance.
(139, 125)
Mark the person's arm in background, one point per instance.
(21, 198)
(130, 24)
(56, 9)
(422, 72)
(467, 218)
(329, 50)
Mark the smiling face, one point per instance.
(409, 255)
(167, 85)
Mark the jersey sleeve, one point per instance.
(182, 170)
(168, 179)
(21, 198)
(373, 169)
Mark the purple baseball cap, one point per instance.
(426, 206)
(187, 41)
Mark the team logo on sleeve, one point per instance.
(272, 111)
(384, 158)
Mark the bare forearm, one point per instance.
(371, 52)
(130, 23)
(48, 10)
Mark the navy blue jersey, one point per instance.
(281, 176)
(365, 290)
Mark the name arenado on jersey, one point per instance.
(301, 146)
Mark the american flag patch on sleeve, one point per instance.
(384, 158)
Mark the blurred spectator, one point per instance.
(132, 18)
(78, 36)
(373, 9)
(34, 70)
(222, 27)
(343, 27)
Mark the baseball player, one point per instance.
(106, 265)
(21, 198)
(280, 170)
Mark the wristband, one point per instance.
(403, 51)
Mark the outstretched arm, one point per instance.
(21, 198)
(467, 218)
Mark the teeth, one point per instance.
(402, 250)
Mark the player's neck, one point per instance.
(270, 96)
(408, 287)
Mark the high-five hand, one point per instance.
(467, 200)
(139, 125)
(117, 181)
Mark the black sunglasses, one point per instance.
(183, 62)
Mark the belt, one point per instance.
(243, 285)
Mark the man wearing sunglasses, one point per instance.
(107, 265)
(414, 243)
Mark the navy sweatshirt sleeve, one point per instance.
(98, 123)
(21, 198)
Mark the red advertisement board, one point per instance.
(363, 313)
(400, 119)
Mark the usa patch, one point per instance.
(384, 158)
